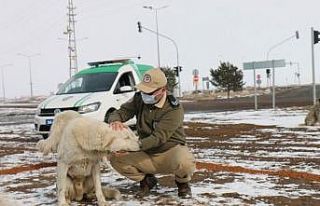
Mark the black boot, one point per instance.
(184, 190)
(149, 182)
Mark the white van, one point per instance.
(93, 92)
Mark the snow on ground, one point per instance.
(288, 121)
(290, 117)
(219, 188)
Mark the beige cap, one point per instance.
(152, 80)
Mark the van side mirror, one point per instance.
(126, 89)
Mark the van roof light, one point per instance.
(113, 61)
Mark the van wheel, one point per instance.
(106, 117)
(45, 136)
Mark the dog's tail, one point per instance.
(60, 122)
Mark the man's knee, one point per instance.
(185, 163)
(184, 157)
(187, 167)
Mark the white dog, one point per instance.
(81, 142)
(5, 200)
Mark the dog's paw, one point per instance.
(63, 204)
(116, 194)
(111, 193)
(42, 146)
(103, 203)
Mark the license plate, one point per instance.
(49, 121)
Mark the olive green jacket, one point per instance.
(159, 129)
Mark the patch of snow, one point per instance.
(292, 117)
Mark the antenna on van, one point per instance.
(132, 57)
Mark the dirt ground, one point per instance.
(213, 134)
(201, 137)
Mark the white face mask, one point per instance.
(148, 99)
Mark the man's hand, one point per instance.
(117, 125)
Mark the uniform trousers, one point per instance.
(178, 160)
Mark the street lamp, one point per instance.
(296, 35)
(157, 26)
(30, 71)
(2, 80)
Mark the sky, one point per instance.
(205, 31)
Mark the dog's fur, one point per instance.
(81, 142)
(313, 116)
(5, 200)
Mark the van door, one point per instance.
(124, 88)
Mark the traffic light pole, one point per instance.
(312, 66)
(273, 86)
(175, 45)
(296, 35)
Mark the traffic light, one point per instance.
(316, 36)
(297, 35)
(139, 27)
(176, 70)
(268, 73)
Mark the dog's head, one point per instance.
(125, 140)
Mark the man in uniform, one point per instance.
(162, 139)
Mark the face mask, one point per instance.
(148, 99)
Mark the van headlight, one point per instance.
(89, 108)
(38, 111)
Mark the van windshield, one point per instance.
(92, 82)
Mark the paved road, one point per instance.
(285, 97)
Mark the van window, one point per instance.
(92, 82)
(126, 79)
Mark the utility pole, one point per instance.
(72, 46)
(30, 70)
(2, 80)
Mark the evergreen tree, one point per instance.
(171, 77)
(227, 77)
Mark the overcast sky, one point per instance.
(206, 32)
